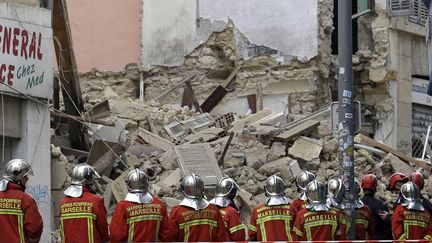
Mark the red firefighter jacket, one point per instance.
(344, 223)
(272, 223)
(319, 226)
(365, 223)
(20, 220)
(410, 224)
(134, 222)
(190, 225)
(233, 224)
(299, 204)
(83, 219)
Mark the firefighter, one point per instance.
(410, 221)
(273, 220)
(364, 221)
(417, 178)
(195, 219)
(20, 220)
(335, 196)
(83, 217)
(317, 221)
(302, 179)
(395, 183)
(226, 191)
(379, 209)
(139, 217)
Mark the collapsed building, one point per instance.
(243, 90)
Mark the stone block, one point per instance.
(295, 168)
(306, 149)
(173, 179)
(273, 167)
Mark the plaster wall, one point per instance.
(168, 31)
(290, 27)
(105, 33)
(171, 30)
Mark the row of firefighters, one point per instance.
(317, 215)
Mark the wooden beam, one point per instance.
(259, 98)
(100, 110)
(175, 87)
(360, 138)
(74, 118)
(186, 99)
(222, 158)
(68, 73)
(300, 129)
(231, 76)
(252, 102)
(213, 99)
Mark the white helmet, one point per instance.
(226, 190)
(16, 170)
(193, 189)
(411, 197)
(275, 191)
(316, 195)
(137, 184)
(82, 175)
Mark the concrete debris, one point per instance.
(313, 151)
(182, 142)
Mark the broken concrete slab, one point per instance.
(154, 139)
(199, 159)
(238, 125)
(295, 168)
(206, 135)
(306, 149)
(306, 128)
(103, 155)
(116, 134)
(118, 187)
(173, 179)
(274, 167)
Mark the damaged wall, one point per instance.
(290, 27)
(280, 28)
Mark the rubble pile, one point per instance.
(168, 143)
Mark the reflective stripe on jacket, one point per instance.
(365, 223)
(233, 224)
(83, 219)
(319, 226)
(272, 223)
(410, 224)
(20, 220)
(134, 222)
(190, 225)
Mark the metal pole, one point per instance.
(346, 109)
(426, 142)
